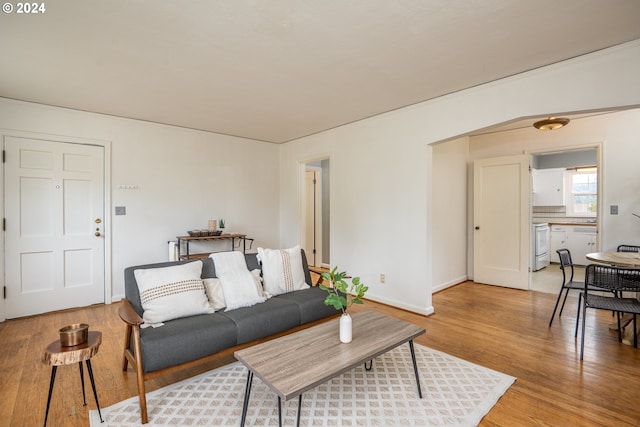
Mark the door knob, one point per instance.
(477, 227)
(98, 221)
(98, 234)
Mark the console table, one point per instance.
(188, 239)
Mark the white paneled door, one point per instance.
(54, 213)
(502, 221)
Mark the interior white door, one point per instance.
(502, 193)
(54, 211)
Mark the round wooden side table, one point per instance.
(56, 355)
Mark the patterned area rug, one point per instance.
(455, 393)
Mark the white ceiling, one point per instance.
(281, 69)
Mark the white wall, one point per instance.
(449, 213)
(378, 204)
(383, 213)
(619, 134)
(184, 178)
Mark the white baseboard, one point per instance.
(413, 308)
(449, 284)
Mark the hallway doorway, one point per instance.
(316, 219)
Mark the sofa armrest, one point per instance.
(128, 314)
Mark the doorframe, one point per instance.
(303, 166)
(317, 214)
(599, 147)
(106, 146)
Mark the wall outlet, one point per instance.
(613, 209)
(382, 278)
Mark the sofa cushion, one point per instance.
(261, 320)
(310, 302)
(282, 270)
(186, 339)
(172, 292)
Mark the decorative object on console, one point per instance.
(221, 225)
(343, 295)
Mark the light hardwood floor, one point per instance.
(500, 328)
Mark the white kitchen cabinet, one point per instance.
(557, 240)
(580, 240)
(548, 187)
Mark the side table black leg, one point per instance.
(93, 386)
(53, 379)
(84, 396)
(247, 393)
(415, 367)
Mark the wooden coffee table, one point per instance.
(295, 363)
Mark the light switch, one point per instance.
(121, 210)
(613, 209)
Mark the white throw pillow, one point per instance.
(240, 290)
(214, 293)
(282, 270)
(172, 292)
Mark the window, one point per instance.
(582, 186)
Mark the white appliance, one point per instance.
(539, 246)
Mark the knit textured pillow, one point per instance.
(171, 292)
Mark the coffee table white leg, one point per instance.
(415, 367)
(247, 392)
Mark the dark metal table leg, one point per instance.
(247, 393)
(415, 367)
(53, 379)
(93, 386)
(279, 412)
(84, 396)
(299, 410)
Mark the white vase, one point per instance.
(345, 328)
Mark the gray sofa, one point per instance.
(183, 342)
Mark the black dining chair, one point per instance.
(566, 265)
(615, 280)
(628, 248)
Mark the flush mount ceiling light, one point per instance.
(551, 123)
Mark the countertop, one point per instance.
(579, 224)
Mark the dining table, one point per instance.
(620, 259)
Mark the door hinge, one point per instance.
(4, 156)
(4, 292)
(4, 224)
